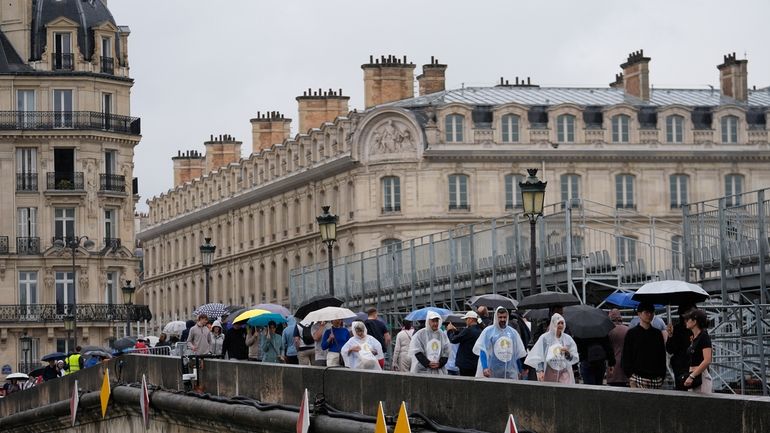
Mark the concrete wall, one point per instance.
(460, 402)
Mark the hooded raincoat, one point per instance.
(547, 356)
(502, 348)
(370, 350)
(433, 345)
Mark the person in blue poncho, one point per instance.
(500, 349)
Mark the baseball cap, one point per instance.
(470, 315)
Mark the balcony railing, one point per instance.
(88, 120)
(387, 209)
(64, 181)
(108, 65)
(459, 207)
(85, 312)
(112, 243)
(26, 181)
(27, 246)
(3, 244)
(62, 61)
(26, 367)
(112, 182)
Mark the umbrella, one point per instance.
(422, 313)
(316, 303)
(492, 301)
(37, 372)
(54, 356)
(670, 292)
(275, 308)
(235, 313)
(548, 299)
(174, 328)
(100, 353)
(657, 322)
(21, 376)
(328, 314)
(263, 319)
(362, 317)
(536, 314)
(587, 322)
(248, 314)
(124, 343)
(456, 319)
(214, 310)
(85, 349)
(623, 300)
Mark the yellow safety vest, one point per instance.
(74, 363)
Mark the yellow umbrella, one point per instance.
(246, 315)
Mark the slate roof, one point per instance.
(10, 61)
(87, 13)
(548, 96)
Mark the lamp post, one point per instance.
(26, 346)
(128, 291)
(207, 259)
(73, 243)
(69, 326)
(327, 225)
(532, 198)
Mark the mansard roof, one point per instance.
(10, 61)
(87, 13)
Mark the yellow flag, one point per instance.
(380, 427)
(104, 395)
(402, 424)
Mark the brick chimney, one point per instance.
(387, 79)
(433, 77)
(618, 83)
(221, 151)
(317, 107)
(268, 129)
(636, 75)
(187, 166)
(733, 78)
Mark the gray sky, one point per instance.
(206, 67)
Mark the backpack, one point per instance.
(307, 335)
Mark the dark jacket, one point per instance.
(644, 353)
(466, 338)
(50, 373)
(590, 349)
(234, 345)
(677, 345)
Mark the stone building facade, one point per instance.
(67, 169)
(408, 166)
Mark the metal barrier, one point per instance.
(162, 350)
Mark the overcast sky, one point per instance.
(206, 67)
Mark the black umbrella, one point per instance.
(54, 356)
(547, 300)
(37, 372)
(124, 343)
(316, 303)
(536, 314)
(492, 301)
(585, 321)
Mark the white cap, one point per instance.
(432, 315)
(470, 315)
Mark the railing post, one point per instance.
(413, 263)
(493, 235)
(347, 279)
(516, 267)
(761, 344)
(686, 246)
(568, 252)
(473, 260)
(722, 251)
(378, 281)
(762, 243)
(452, 257)
(542, 251)
(432, 250)
(363, 282)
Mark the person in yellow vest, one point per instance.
(74, 361)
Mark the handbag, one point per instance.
(698, 381)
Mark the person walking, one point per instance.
(289, 349)
(499, 348)
(234, 346)
(554, 353)
(430, 347)
(615, 375)
(272, 344)
(700, 353)
(644, 351)
(199, 337)
(378, 330)
(677, 344)
(596, 356)
(466, 361)
(332, 341)
(401, 360)
(305, 343)
(217, 338)
(253, 336)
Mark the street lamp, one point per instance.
(207, 259)
(128, 291)
(69, 326)
(532, 198)
(327, 225)
(26, 346)
(73, 243)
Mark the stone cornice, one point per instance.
(245, 198)
(72, 135)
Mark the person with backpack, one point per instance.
(305, 343)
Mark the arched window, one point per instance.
(458, 192)
(565, 128)
(391, 194)
(454, 128)
(624, 191)
(674, 129)
(620, 128)
(729, 129)
(513, 191)
(733, 189)
(510, 128)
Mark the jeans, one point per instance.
(592, 372)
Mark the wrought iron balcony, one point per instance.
(84, 312)
(108, 65)
(26, 367)
(79, 120)
(3, 244)
(27, 246)
(64, 181)
(112, 182)
(112, 243)
(62, 61)
(26, 181)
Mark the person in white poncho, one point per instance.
(362, 351)
(430, 347)
(499, 348)
(554, 354)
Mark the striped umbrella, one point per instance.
(212, 310)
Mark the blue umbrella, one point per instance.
(623, 300)
(54, 356)
(422, 313)
(263, 319)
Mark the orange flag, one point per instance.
(380, 427)
(402, 424)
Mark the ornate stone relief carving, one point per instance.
(391, 137)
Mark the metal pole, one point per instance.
(206, 272)
(73, 246)
(128, 319)
(494, 256)
(532, 255)
(761, 343)
(331, 269)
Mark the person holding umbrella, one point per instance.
(644, 351)
(466, 360)
(50, 372)
(272, 344)
(678, 343)
(430, 347)
(332, 340)
(700, 352)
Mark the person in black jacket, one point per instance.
(644, 351)
(677, 344)
(466, 360)
(596, 354)
(234, 346)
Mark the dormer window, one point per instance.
(620, 128)
(510, 124)
(63, 58)
(454, 128)
(565, 128)
(107, 61)
(729, 129)
(674, 129)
